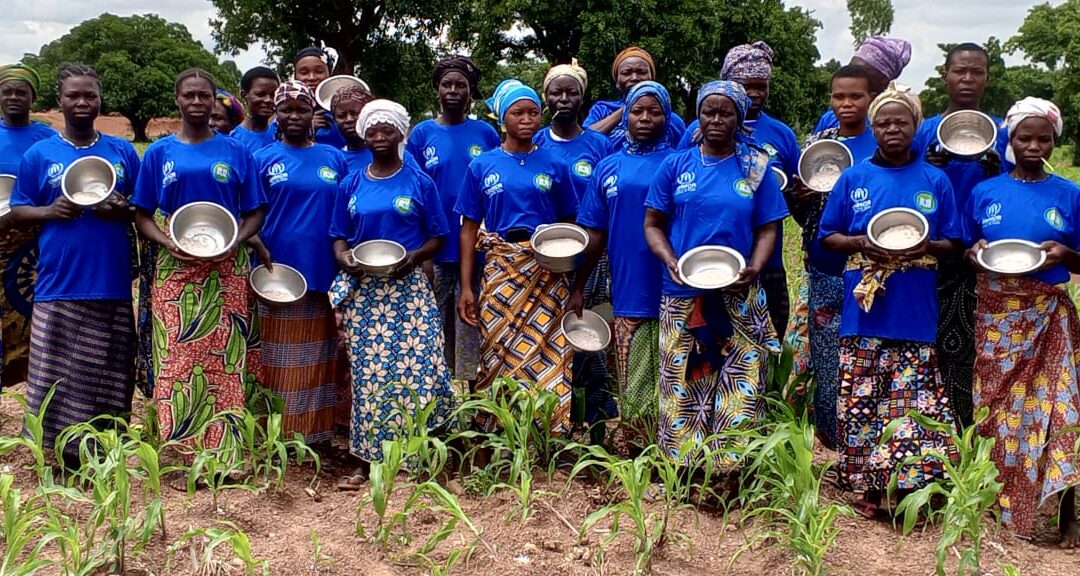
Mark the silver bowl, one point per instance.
(378, 257)
(203, 229)
(590, 333)
(967, 133)
(88, 181)
(282, 286)
(710, 267)
(821, 164)
(781, 178)
(1011, 257)
(7, 186)
(326, 89)
(892, 218)
(552, 236)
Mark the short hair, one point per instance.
(855, 71)
(966, 47)
(256, 73)
(75, 69)
(195, 73)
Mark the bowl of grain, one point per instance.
(7, 186)
(710, 267)
(203, 229)
(821, 164)
(967, 133)
(898, 229)
(283, 285)
(781, 178)
(1011, 257)
(589, 333)
(378, 257)
(88, 181)
(559, 247)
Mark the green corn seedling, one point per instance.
(22, 531)
(203, 544)
(33, 438)
(426, 455)
(266, 450)
(382, 482)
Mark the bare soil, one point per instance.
(280, 525)
(115, 125)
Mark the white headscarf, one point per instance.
(384, 112)
(1031, 107)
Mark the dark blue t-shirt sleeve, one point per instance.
(340, 222)
(251, 191)
(594, 209)
(413, 146)
(790, 152)
(836, 216)
(661, 196)
(29, 189)
(565, 195)
(132, 164)
(434, 217)
(769, 204)
(146, 185)
(470, 201)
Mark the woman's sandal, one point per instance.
(352, 482)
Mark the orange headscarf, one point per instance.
(632, 52)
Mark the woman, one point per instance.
(83, 335)
(714, 347)
(1027, 336)
(346, 106)
(885, 58)
(612, 210)
(443, 147)
(392, 324)
(512, 190)
(888, 324)
(631, 66)
(257, 88)
(300, 179)
(201, 319)
(311, 66)
(19, 86)
(227, 114)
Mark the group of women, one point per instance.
(882, 333)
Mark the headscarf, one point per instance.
(232, 104)
(21, 72)
(747, 61)
(656, 90)
(886, 55)
(293, 90)
(506, 93)
(753, 160)
(899, 94)
(383, 111)
(632, 52)
(351, 93)
(462, 64)
(572, 70)
(328, 55)
(1031, 107)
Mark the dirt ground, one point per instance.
(115, 125)
(280, 526)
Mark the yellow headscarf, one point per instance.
(572, 70)
(899, 94)
(632, 52)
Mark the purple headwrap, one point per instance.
(886, 55)
(748, 61)
(232, 104)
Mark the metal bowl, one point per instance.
(561, 234)
(203, 229)
(7, 185)
(326, 89)
(1011, 256)
(378, 257)
(967, 133)
(781, 178)
(710, 267)
(821, 164)
(892, 218)
(282, 286)
(590, 333)
(88, 181)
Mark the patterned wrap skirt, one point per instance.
(637, 366)
(826, 298)
(521, 308)
(394, 342)
(300, 363)
(86, 348)
(462, 341)
(706, 394)
(881, 381)
(1028, 342)
(18, 272)
(956, 335)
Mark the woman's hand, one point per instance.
(256, 243)
(937, 156)
(746, 277)
(990, 162)
(1056, 253)
(319, 121)
(64, 209)
(873, 251)
(348, 263)
(115, 207)
(673, 270)
(405, 266)
(973, 255)
(576, 302)
(467, 307)
(176, 252)
(800, 191)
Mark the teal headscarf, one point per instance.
(506, 93)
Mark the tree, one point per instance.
(137, 58)
(869, 18)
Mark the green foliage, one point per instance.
(203, 544)
(265, 449)
(22, 530)
(137, 57)
(869, 18)
(33, 438)
(382, 480)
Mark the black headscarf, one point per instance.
(328, 56)
(463, 64)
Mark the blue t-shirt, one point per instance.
(253, 140)
(581, 154)
(16, 140)
(508, 191)
(615, 203)
(617, 137)
(219, 170)
(85, 258)
(443, 152)
(330, 135)
(1006, 208)
(908, 308)
(862, 147)
(301, 187)
(404, 208)
(963, 174)
(711, 205)
(358, 160)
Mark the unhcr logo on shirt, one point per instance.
(277, 173)
(926, 202)
(685, 183)
(168, 175)
(860, 200)
(492, 184)
(993, 215)
(431, 157)
(56, 172)
(611, 186)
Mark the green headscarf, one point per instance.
(21, 72)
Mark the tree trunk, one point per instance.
(138, 127)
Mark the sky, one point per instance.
(29, 24)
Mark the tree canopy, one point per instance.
(869, 18)
(137, 59)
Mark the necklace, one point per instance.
(718, 160)
(388, 176)
(97, 136)
(519, 156)
(1045, 176)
